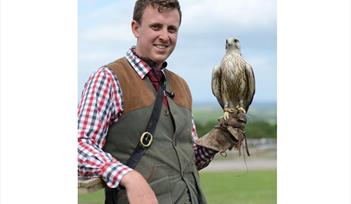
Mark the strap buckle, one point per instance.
(146, 139)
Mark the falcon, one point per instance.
(233, 81)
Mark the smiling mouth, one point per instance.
(161, 46)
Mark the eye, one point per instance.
(172, 29)
(235, 40)
(155, 26)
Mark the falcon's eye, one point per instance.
(235, 40)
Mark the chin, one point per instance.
(160, 60)
(161, 56)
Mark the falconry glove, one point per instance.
(226, 134)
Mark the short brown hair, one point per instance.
(162, 5)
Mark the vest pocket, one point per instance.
(160, 184)
(191, 175)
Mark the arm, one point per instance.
(203, 155)
(138, 190)
(100, 105)
(225, 135)
(228, 133)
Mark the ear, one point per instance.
(135, 28)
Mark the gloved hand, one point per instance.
(226, 134)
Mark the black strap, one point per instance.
(150, 128)
(111, 195)
(140, 149)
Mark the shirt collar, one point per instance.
(141, 67)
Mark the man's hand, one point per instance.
(138, 190)
(235, 120)
(226, 134)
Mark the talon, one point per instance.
(241, 109)
(226, 115)
(223, 154)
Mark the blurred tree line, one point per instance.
(254, 129)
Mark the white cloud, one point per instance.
(113, 10)
(262, 63)
(247, 14)
(108, 23)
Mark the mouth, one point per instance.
(161, 46)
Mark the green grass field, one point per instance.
(254, 187)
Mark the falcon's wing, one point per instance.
(250, 78)
(216, 84)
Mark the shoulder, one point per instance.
(121, 68)
(181, 89)
(117, 64)
(175, 78)
(101, 75)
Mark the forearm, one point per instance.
(203, 156)
(138, 190)
(228, 133)
(93, 162)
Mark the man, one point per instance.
(115, 107)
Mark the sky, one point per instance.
(104, 35)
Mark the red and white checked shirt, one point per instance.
(101, 105)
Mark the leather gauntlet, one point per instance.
(226, 134)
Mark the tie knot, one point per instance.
(155, 75)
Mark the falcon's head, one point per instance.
(232, 44)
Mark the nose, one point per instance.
(164, 35)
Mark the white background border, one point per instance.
(314, 102)
(38, 149)
(38, 101)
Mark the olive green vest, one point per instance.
(169, 163)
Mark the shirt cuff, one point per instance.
(112, 173)
(203, 156)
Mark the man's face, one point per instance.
(156, 34)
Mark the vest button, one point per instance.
(166, 112)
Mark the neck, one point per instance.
(148, 61)
(232, 50)
(158, 67)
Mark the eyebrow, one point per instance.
(155, 24)
(161, 25)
